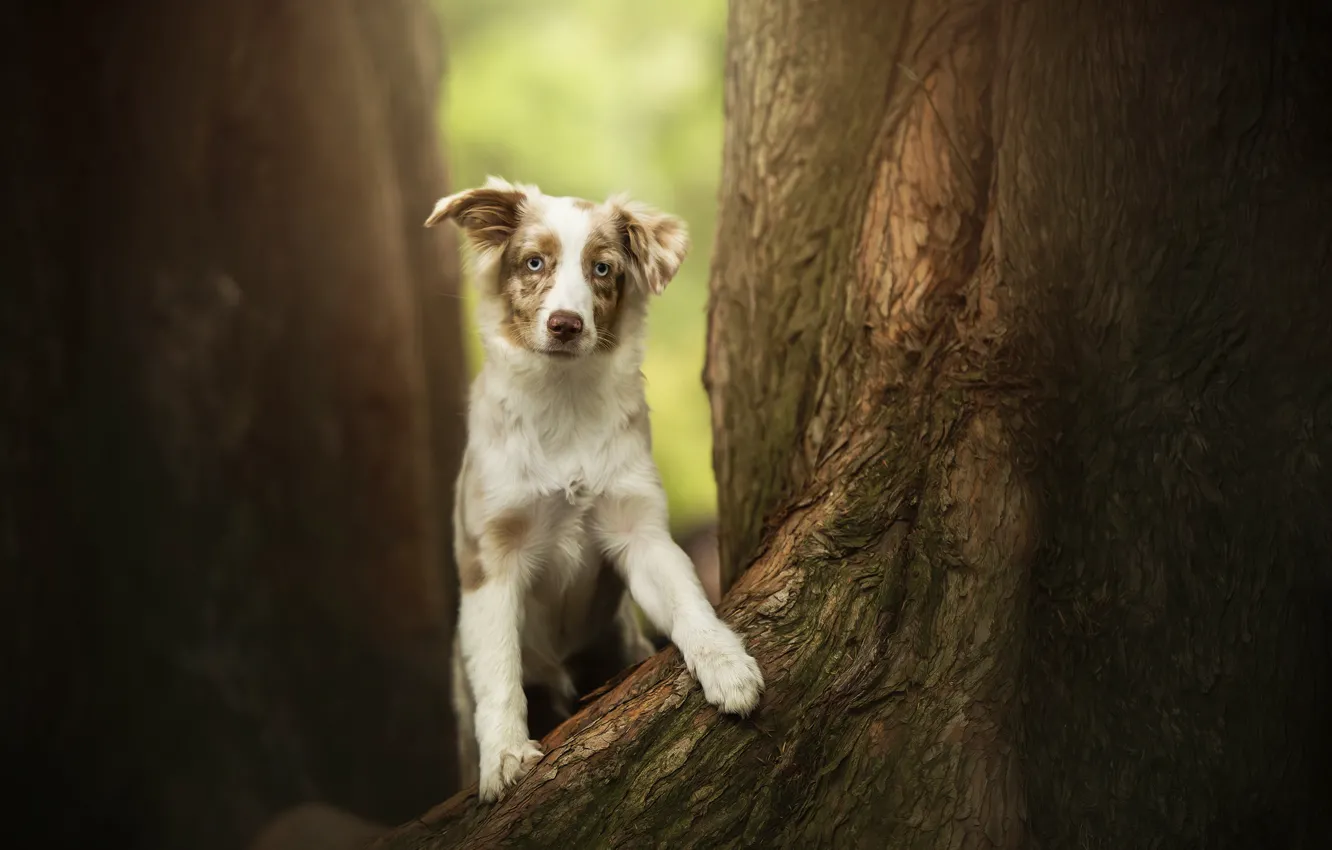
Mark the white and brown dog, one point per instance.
(559, 504)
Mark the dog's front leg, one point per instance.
(662, 580)
(490, 624)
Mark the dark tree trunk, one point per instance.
(1020, 367)
(231, 383)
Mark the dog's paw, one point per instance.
(730, 677)
(512, 764)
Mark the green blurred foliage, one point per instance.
(592, 97)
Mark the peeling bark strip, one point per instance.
(1017, 443)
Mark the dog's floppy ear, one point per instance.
(488, 215)
(657, 242)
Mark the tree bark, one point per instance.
(232, 383)
(1018, 360)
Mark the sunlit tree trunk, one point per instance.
(231, 387)
(1019, 360)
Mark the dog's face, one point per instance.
(565, 267)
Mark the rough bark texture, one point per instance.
(1018, 360)
(231, 382)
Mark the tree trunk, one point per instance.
(232, 379)
(1019, 366)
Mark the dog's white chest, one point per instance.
(575, 462)
(577, 493)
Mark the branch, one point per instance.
(632, 747)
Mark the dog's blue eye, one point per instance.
(601, 269)
(535, 264)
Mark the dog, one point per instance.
(559, 507)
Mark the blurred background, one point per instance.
(592, 97)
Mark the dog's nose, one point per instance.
(564, 325)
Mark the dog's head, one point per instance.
(563, 271)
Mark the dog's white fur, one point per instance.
(562, 442)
